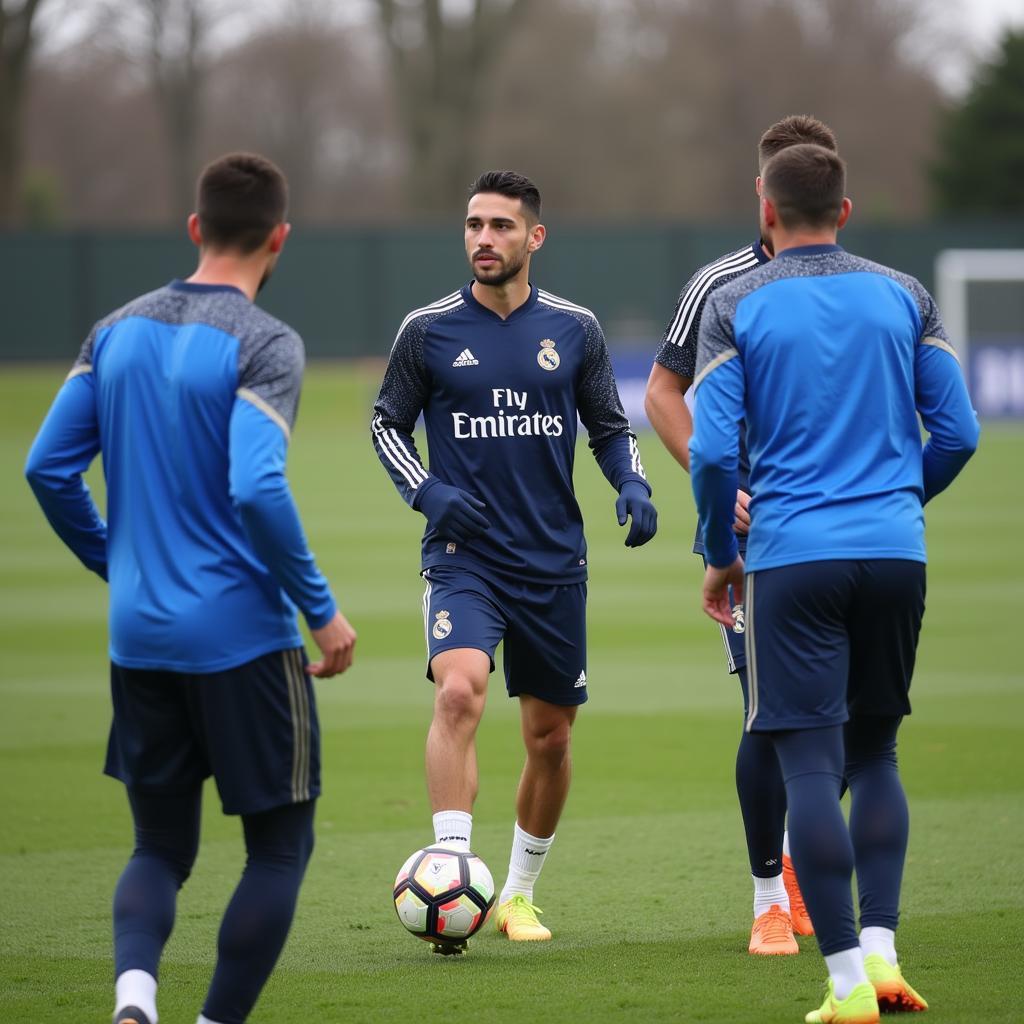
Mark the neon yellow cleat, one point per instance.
(894, 994)
(517, 918)
(797, 908)
(859, 1007)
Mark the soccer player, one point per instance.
(829, 359)
(190, 394)
(779, 909)
(500, 370)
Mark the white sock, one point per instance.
(785, 843)
(846, 969)
(879, 940)
(453, 828)
(136, 988)
(767, 892)
(528, 853)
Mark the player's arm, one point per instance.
(612, 441)
(714, 457)
(670, 379)
(668, 412)
(260, 429)
(944, 406)
(63, 450)
(454, 513)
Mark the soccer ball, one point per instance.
(444, 896)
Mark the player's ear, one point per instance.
(194, 234)
(769, 216)
(757, 186)
(537, 235)
(844, 213)
(279, 236)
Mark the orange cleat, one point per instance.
(772, 934)
(797, 908)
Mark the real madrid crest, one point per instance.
(442, 625)
(739, 621)
(547, 357)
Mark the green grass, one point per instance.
(647, 889)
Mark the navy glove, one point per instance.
(635, 502)
(453, 513)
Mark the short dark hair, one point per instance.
(794, 130)
(511, 185)
(806, 184)
(240, 199)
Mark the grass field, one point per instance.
(646, 890)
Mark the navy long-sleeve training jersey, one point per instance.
(829, 359)
(500, 400)
(678, 350)
(190, 393)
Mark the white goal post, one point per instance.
(955, 269)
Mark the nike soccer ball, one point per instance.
(444, 896)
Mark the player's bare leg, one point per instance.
(460, 693)
(543, 788)
(544, 785)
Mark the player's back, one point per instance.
(828, 343)
(187, 592)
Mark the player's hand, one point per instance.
(337, 643)
(635, 502)
(715, 599)
(741, 522)
(453, 513)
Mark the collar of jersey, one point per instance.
(809, 250)
(760, 253)
(516, 314)
(191, 286)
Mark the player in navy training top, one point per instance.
(829, 360)
(500, 370)
(778, 904)
(189, 394)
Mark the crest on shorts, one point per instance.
(442, 625)
(739, 622)
(547, 357)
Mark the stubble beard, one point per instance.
(500, 275)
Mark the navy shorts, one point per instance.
(827, 640)
(734, 640)
(543, 626)
(253, 728)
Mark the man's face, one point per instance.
(499, 238)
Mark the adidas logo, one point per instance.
(466, 358)
(581, 681)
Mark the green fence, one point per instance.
(346, 291)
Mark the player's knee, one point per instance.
(551, 742)
(457, 700)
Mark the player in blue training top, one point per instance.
(500, 370)
(779, 909)
(829, 359)
(189, 394)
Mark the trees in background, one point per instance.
(980, 167)
(386, 109)
(442, 72)
(17, 41)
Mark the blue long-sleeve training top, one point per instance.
(500, 400)
(829, 359)
(189, 394)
